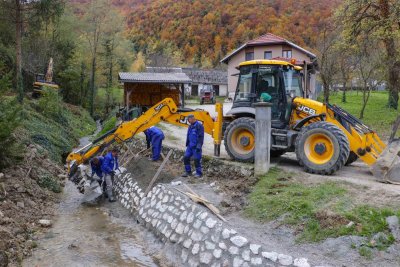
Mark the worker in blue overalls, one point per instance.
(154, 136)
(108, 167)
(194, 144)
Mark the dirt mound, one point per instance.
(143, 171)
(26, 196)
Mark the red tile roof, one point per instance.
(268, 38)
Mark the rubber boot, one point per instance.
(110, 196)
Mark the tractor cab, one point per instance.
(274, 81)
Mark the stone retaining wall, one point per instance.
(198, 236)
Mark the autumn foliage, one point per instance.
(206, 30)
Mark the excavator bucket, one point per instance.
(387, 167)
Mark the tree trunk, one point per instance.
(18, 49)
(393, 74)
(393, 66)
(81, 84)
(366, 93)
(92, 86)
(344, 93)
(326, 92)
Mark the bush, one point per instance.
(54, 125)
(9, 120)
(49, 182)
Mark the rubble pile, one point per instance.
(26, 199)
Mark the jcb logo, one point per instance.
(307, 110)
(159, 106)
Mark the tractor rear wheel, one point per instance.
(322, 148)
(239, 139)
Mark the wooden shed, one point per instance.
(146, 89)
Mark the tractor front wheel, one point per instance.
(322, 148)
(239, 139)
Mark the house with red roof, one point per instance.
(270, 46)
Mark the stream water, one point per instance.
(103, 235)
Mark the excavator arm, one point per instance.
(167, 111)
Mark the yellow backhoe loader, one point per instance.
(324, 137)
(42, 80)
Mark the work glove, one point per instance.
(112, 173)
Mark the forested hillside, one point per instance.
(205, 31)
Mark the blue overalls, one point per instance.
(109, 164)
(194, 143)
(154, 136)
(96, 169)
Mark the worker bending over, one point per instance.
(154, 136)
(194, 143)
(108, 167)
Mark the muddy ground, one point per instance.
(23, 202)
(102, 235)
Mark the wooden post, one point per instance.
(396, 126)
(183, 95)
(262, 138)
(305, 73)
(157, 173)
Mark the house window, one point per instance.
(249, 56)
(287, 53)
(267, 54)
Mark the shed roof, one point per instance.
(207, 76)
(267, 39)
(153, 77)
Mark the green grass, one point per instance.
(54, 125)
(316, 211)
(116, 92)
(49, 182)
(376, 115)
(108, 125)
(365, 252)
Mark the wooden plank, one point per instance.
(199, 199)
(157, 173)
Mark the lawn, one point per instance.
(316, 211)
(376, 115)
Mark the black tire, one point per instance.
(277, 153)
(352, 157)
(237, 151)
(336, 139)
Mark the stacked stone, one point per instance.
(199, 237)
(128, 192)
